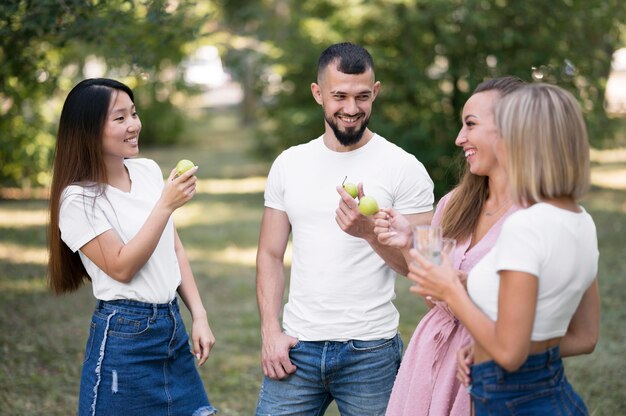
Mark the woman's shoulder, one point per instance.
(443, 201)
(89, 189)
(536, 217)
(144, 165)
(142, 162)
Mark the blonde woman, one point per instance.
(534, 298)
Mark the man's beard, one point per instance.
(349, 137)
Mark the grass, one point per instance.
(42, 336)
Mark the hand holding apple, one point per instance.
(350, 188)
(177, 191)
(368, 205)
(183, 166)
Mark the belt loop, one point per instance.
(154, 312)
(500, 373)
(98, 304)
(554, 353)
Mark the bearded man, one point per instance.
(339, 335)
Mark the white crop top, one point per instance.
(557, 246)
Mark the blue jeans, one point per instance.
(138, 362)
(538, 387)
(358, 375)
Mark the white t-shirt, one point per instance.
(81, 221)
(557, 246)
(340, 289)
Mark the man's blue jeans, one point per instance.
(358, 375)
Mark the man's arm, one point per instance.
(270, 287)
(351, 221)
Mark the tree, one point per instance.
(429, 55)
(43, 48)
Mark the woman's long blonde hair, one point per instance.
(466, 202)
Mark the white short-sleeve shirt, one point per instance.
(340, 289)
(84, 215)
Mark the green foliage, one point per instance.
(162, 121)
(44, 46)
(429, 55)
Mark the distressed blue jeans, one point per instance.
(358, 375)
(138, 362)
(538, 387)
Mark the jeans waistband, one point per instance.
(542, 359)
(137, 307)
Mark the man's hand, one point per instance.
(275, 355)
(350, 219)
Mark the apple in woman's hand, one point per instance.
(183, 166)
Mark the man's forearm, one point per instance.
(392, 256)
(270, 289)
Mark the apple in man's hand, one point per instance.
(368, 206)
(350, 188)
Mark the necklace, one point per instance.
(492, 213)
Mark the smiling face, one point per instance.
(347, 102)
(120, 138)
(479, 135)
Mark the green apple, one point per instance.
(368, 206)
(350, 188)
(183, 166)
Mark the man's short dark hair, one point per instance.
(351, 59)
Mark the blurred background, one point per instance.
(225, 83)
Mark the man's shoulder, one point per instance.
(383, 146)
(298, 150)
(381, 142)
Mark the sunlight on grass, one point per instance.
(23, 219)
(609, 177)
(16, 254)
(196, 213)
(232, 255)
(608, 156)
(250, 185)
(32, 285)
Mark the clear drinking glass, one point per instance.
(447, 247)
(427, 240)
(431, 244)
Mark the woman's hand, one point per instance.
(436, 282)
(202, 339)
(179, 190)
(393, 229)
(464, 359)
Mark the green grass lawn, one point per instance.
(42, 336)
